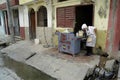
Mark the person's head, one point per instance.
(84, 26)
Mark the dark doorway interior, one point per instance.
(7, 30)
(32, 25)
(84, 14)
(42, 17)
(16, 22)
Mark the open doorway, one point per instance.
(7, 30)
(32, 25)
(16, 22)
(83, 14)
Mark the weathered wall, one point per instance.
(12, 3)
(113, 38)
(117, 29)
(24, 1)
(40, 34)
(2, 30)
(24, 21)
(2, 1)
(101, 14)
(44, 34)
(101, 21)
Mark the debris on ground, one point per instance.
(106, 70)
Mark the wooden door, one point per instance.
(32, 25)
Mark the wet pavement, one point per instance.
(12, 70)
(5, 73)
(58, 65)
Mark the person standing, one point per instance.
(91, 38)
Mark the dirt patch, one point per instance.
(78, 58)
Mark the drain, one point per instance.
(33, 54)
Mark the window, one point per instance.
(42, 17)
(65, 17)
(75, 16)
(61, 0)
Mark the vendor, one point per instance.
(91, 38)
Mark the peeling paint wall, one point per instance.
(101, 14)
(101, 21)
(113, 40)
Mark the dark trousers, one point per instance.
(89, 50)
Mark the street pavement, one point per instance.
(58, 65)
(5, 73)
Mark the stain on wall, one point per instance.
(101, 39)
(103, 9)
(102, 12)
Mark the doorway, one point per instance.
(32, 28)
(7, 30)
(16, 22)
(83, 14)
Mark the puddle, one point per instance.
(24, 71)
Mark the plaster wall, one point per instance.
(2, 1)
(2, 30)
(24, 21)
(43, 33)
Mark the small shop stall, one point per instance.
(68, 43)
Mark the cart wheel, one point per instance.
(73, 55)
(59, 51)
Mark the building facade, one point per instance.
(15, 16)
(103, 14)
(39, 19)
(2, 29)
(36, 20)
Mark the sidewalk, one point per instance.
(7, 74)
(58, 65)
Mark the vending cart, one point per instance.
(68, 43)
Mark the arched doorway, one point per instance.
(42, 23)
(32, 28)
(42, 17)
